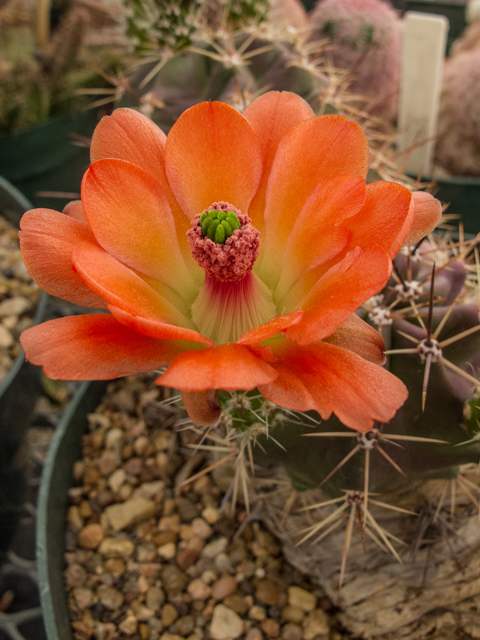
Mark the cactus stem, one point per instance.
(459, 336)
(445, 318)
(461, 372)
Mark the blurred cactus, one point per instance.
(458, 144)
(366, 40)
(36, 83)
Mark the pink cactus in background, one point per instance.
(458, 145)
(366, 35)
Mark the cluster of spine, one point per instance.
(428, 315)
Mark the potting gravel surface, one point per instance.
(148, 559)
(18, 296)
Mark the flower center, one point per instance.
(224, 242)
(232, 299)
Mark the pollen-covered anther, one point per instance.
(224, 242)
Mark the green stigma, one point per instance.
(219, 225)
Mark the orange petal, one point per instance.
(329, 379)
(94, 347)
(74, 210)
(156, 329)
(212, 154)
(314, 240)
(343, 288)
(316, 149)
(272, 115)
(427, 212)
(361, 338)
(47, 239)
(385, 218)
(271, 328)
(129, 135)
(227, 366)
(131, 219)
(120, 286)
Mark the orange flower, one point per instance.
(304, 243)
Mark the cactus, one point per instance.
(366, 40)
(44, 82)
(458, 144)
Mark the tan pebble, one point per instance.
(129, 625)
(210, 514)
(114, 439)
(202, 484)
(223, 563)
(143, 584)
(174, 580)
(114, 547)
(164, 537)
(74, 518)
(316, 624)
(91, 475)
(169, 523)
(144, 630)
(292, 613)
(209, 576)
(254, 634)
(14, 306)
(292, 631)
(196, 543)
(169, 507)
(151, 490)
(194, 636)
(146, 552)
(107, 463)
(224, 587)
(167, 551)
(78, 470)
(270, 628)
(301, 598)
(162, 441)
(110, 597)
(237, 602)
(115, 566)
(149, 569)
(226, 624)
(186, 558)
(154, 598)
(75, 575)
(201, 528)
(9, 321)
(266, 592)
(140, 445)
(214, 548)
(169, 614)
(85, 509)
(257, 613)
(186, 532)
(170, 636)
(90, 536)
(84, 598)
(199, 590)
(126, 452)
(185, 625)
(6, 338)
(133, 466)
(130, 512)
(143, 613)
(125, 491)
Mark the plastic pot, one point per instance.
(18, 394)
(52, 507)
(44, 158)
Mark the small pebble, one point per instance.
(270, 628)
(226, 624)
(266, 592)
(199, 590)
(129, 625)
(316, 624)
(169, 614)
(110, 597)
(130, 512)
(301, 598)
(257, 613)
(113, 547)
(90, 536)
(224, 587)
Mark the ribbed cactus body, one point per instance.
(366, 40)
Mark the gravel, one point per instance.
(149, 560)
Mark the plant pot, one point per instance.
(18, 394)
(45, 158)
(53, 501)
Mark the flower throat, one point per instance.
(232, 299)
